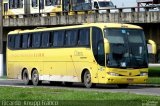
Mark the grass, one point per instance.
(153, 80)
(74, 97)
(154, 72)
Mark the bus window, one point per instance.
(83, 39)
(57, 2)
(45, 39)
(11, 41)
(5, 7)
(50, 2)
(20, 4)
(36, 40)
(25, 41)
(71, 38)
(11, 4)
(17, 42)
(98, 46)
(41, 6)
(34, 3)
(58, 38)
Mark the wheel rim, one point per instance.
(87, 79)
(35, 77)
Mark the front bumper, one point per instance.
(126, 80)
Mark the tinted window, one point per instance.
(25, 41)
(36, 40)
(11, 39)
(71, 37)
(50, 2)
(34, 3)
(17, 41)
(58, 38)
(83, 39)
(45, 39)
(13, 4)
(98, 46)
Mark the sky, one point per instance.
(124, 3)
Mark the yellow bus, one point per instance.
(95, 53)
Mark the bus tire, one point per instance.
(122, 85)
(35, 78)
(25, 77)
(87, 80)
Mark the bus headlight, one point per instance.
(112, 74)
(144, 74)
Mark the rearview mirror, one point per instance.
(106, 46)
(152, 48)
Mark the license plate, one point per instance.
(130, 80)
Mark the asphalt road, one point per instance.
(136, 89)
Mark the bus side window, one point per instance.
(25, 41)
(57, 2)
(71, 38)
(29, 40)
(96, 5)
(51, 39)
(36, 40)
(45, 39)
(98, 46)
(11, 41)
(11, 4)
(83, 39)
(17, 41)
(34, 3)
(58, 38)
(20, 4)
(49, 2)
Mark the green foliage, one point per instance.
(154, 72)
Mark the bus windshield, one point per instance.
(127, 48)
(105, 4)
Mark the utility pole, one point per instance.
(1, 38)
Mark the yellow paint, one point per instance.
(68, 61)
(153, 45)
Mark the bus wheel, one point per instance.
(25, 77)
(35, 78)
(87, 80)
(122, 85)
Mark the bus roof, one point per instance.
(100, 25)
